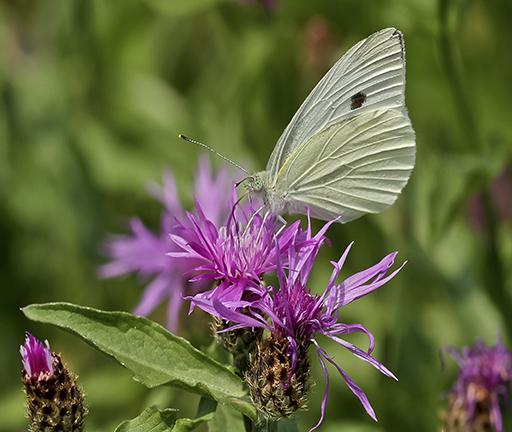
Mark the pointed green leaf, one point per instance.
(152, 419)
(152, 354)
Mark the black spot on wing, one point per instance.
(357, 100)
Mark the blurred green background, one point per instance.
(92, 97)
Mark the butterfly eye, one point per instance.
(254, 184)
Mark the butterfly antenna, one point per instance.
(243, 180)
(183, 137)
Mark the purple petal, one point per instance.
(173, 310)
(168, 195)
(231, 315)
(36, 358)
(213, 194)
(496, 415)
(340, 328)
(352, 289)
(351, 385)
(358, 352)
(154, 294)
(326, 298)
(326, 373)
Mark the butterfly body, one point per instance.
(350, 148)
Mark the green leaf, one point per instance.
(153, 355)
(152, 419)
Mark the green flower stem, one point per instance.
(264, 423)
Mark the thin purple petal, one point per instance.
(36, 358)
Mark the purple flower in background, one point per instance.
(483, 382)
(145, 252)
(236, 255)
(296, 316)
(37, 360)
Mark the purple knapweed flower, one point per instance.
(37, 360)
(145, 252)
(483, 383)
(236, 255)
(296, 316)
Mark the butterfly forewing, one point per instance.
(356, 166)
(369, 77)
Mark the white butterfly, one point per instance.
(350, 148)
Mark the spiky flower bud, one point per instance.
(276, 386)
(54, 400)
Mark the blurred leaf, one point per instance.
(12, 409)
(153, 355)
(182, 8)
(445, 187)
(151, 419)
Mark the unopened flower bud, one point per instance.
(54, 400)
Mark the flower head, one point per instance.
(145, 253)
(483, 382)
(236, 255)
(296, 316)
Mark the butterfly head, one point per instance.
(254, 183)
(257, 187)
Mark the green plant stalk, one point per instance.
(264, 423)
(461, 99)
